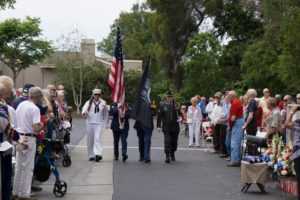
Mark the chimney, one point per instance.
(88, 47)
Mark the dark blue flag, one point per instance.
(141, 110)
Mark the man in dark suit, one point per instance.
(120, 127)
(168, 117)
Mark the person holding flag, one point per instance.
(142, 112)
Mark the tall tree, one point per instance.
(20, 45)
(136, 36)
(6, 3)
(202, 74)
(237, 21)
(70, 64)
(173, 25)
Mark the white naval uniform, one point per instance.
(95, 122)
(195, 116)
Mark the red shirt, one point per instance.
(235, 109)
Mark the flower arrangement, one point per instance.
(271, 154)
(279, 156)
(284, 161)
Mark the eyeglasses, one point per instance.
(266, 91)
(96, 94)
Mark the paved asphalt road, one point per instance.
(195, 175)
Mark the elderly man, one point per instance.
(251, 113)
(236, 122)
(24, 95)
(29, 124)
(97, 118)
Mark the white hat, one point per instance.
(96, 91)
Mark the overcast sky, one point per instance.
(91, 17)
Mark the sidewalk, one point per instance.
(86, 180)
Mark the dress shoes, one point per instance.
(173, 157)
(141, 159)
(148, 161)
(116, 158)
(124, 158)
(233, 165)
(168, 160)
(223, 156)
(98, 158)
(91, 159)
(36, 189)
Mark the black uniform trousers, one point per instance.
(171, 139)
(6, 169)
(117, 135)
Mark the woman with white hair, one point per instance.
(7, 133)
(194, 118)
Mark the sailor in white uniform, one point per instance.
(97, 119)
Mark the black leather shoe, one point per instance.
(91, 159)
(124, 158)
(223, 156)
(168, 158)
(147, 160)
(116, 158)
(173, 157)
(141, 159)
(98, 158)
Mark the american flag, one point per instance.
(116, 75)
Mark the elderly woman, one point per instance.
(6, 134)
(194, 118)
(274, 124)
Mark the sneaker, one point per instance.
(36, 189)
(32, 194)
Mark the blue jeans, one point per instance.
(236, 140)
(228, 142)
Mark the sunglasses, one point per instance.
(266, 91)
(284, 99)
(96, 94)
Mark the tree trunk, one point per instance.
(78, 109)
